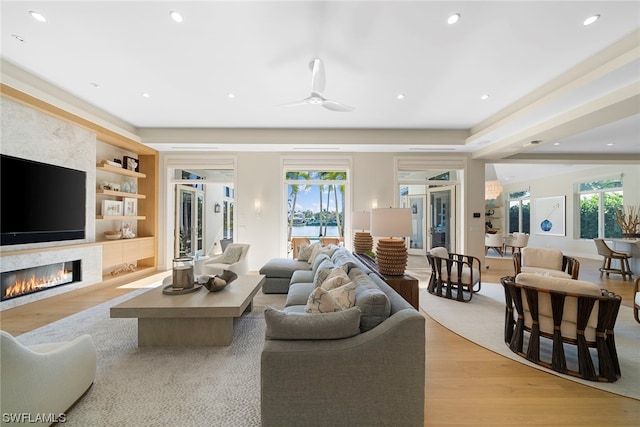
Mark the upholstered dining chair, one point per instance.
(493, 241)
(296, 243)
(517, 242)
(326, 241)
(636, 299)
(609, 254)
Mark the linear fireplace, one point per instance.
(35, 279)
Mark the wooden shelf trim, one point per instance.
(122, 217)
(121, 171)
(120, 194)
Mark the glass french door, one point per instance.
(189, 227)
(441, 217)
(418, 241)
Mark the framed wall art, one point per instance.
(549, 216)
(111, 208)
(130, 206)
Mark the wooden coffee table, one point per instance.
(200, 318)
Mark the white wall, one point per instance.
(563, 185)
(259, 196)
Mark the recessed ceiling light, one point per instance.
(146, 95)
(37, 16)
(556, 143)
(453, 18)
(17, 37)
(485, 97)
(231, 95)
(590, 20)
(175, 16)
(400, 96)
(611, 144)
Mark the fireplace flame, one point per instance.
(33, 283)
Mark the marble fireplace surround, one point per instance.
(31, 134)
(91, 269)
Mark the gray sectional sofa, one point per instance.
(363, 366)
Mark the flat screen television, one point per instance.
(40, 202)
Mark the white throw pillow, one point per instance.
(336, 278)
(338, 299)
(231, 255)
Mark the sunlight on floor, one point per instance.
(147, 282)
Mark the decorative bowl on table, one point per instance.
(113, 235)
(219, 281)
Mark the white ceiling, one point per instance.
(549, 77)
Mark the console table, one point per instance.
(405, 285)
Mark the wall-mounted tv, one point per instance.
(40, 202)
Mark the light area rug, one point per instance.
(188, 386)
(482, 322)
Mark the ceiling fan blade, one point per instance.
(295, 103)
(317, 76)
(336, 106)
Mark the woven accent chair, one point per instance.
(453, 274)
(563, 312)
(609, 254)
(546, 261)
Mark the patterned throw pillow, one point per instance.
(338, 299)
(315, 251)
(304, 252)
(323, 274)
(337, 277)
(231, 255)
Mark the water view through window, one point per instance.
(315, 203)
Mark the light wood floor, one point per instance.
(466, 385)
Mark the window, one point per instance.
(315, 203)
(519, 212)
(599, 201)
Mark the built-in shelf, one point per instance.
(120, 171)
(122, 217)
(120, 194)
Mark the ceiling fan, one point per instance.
(317, 88)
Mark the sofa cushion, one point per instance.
(342, 257)
(298, 294)
(338, 299)
(316, 263)
(283, 267)
(440, 252)
(548, 258)
(336, 277)
(373, 302)
(322, 272)
(302, 276)
(288, 325)
(539, 271)
(466, 276)
(570, 312)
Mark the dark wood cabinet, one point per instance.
(404, 285)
